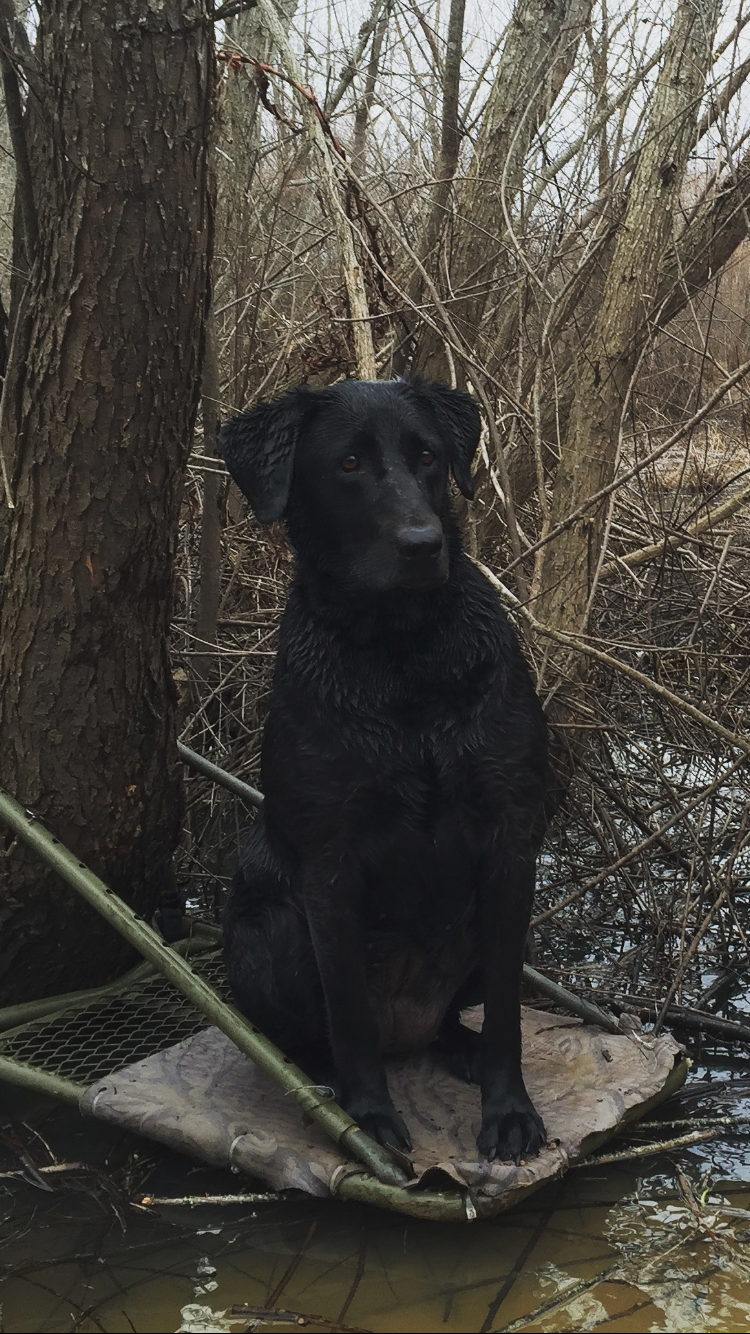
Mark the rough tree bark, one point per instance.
(98, 430)
(606, 360)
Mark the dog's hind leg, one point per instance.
(458, 1047)
(272, 970)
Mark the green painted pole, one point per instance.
(40, 1081)
(328, 1115)
(249, 794)
(586, 1010)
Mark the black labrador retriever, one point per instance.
(388, 879)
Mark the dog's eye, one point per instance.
(426, 457)
(350, 464)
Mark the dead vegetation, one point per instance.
(642, 887)
(489, 240)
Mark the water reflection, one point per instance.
(603, 1249)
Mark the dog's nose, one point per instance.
(421, 540)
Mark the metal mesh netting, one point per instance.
(88, 1043)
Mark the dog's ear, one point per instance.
(460, 424)
(258, 449)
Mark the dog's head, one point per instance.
(360, 471)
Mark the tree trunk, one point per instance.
(698, 255)
(249, 34)
(537, 57)
(439, 215)
(606, 360)
(364, 106)
(209, 595)
(99, 430)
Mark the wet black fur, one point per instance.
(388, 880)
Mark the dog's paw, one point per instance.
(382, 1122)
(511, 1131)
(458, 1051)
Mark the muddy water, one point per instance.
(610, 1248)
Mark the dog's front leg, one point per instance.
(330, 904)
(511, 1127)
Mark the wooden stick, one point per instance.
(710, 519)
(646, 1150)
(221, 776)
(266, 1315)
(725, 1029)
(192, 1201)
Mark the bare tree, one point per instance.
(607, 359)
(97, 431)
(538, 54)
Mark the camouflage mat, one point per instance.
(203, 1098)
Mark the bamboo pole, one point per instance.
(326, 1113)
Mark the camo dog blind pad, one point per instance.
(204, 1098)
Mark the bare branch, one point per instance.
(314, 120)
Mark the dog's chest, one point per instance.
(423, 813)
(428, 777)
(430, 764)
(420, 860)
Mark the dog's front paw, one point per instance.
(381, 1121)
(511, 1128)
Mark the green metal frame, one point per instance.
(251, 795)
(381, 1180)
(328, 1115)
